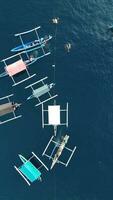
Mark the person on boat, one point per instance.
(31, 57)
(68, 46)
(34, 42)
(15, 106)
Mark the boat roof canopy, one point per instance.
(15, 67)
(54, 114)
(30, 171)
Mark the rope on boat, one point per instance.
(55, 22)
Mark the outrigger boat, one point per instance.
(23, 60)
(28, 45)
(60, 149)
(40, 91)
(61, 146)
(28, 170)
(9, 108)
(32, 44)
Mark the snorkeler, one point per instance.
(110, 28)
(68, 46)
(55, 20)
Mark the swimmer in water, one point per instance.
(55, 20)
(110, 28)
(68, 46)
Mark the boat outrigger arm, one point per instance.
(3, 74)
(29, 31)
(31, 44)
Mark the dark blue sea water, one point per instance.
(84, 78)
